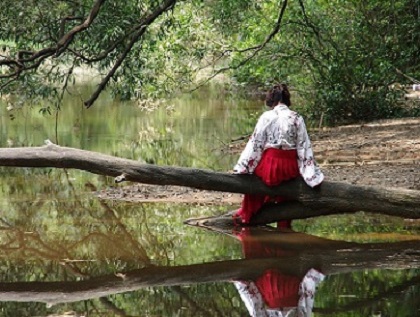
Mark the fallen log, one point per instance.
(328, 198)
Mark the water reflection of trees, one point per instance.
(405, 292)
(66, 237)
(166, 289)
(103, 258)
(71, 231)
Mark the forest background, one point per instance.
(346, 61)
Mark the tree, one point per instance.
(344, 57)
(101, 33)
(140, 48)
(131, 43)
(341, 57)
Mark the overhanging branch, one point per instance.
(255, 49)
(28, 60)
(167, 5)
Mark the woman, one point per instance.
(278, 150)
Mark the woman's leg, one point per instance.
(284, 224)
(275, 167)
(250, 205)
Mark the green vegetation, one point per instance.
(346, 60)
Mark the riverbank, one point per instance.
(384, 153)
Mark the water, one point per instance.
(65, 252)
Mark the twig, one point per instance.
(136, 36)
(256, 49)
(408, 77)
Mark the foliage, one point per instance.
(362, 70)
(344, 59)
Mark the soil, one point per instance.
(383, 153)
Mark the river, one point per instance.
(65, 252)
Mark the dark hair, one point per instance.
(279, 93)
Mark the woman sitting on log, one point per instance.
(278, 150)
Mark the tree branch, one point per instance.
(142, 29)
(255, 49)
(36, 57)
(29, 60)
(65, 41)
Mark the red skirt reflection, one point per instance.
(275, 293)
(277, 289)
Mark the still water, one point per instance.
(64, 252)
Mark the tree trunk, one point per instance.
(326, 199)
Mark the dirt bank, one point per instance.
(384, 153)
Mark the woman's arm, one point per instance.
(252, 153)
(308, 167)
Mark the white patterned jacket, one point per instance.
(285, 129)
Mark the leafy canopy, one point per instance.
(343, 58)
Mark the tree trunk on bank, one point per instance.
(328, 198)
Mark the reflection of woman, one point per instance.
(299, 304)
(275, 293)
(278, 150)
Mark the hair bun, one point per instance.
(278, 93)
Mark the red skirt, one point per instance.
(275, 167)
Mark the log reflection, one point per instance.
(302, 252)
